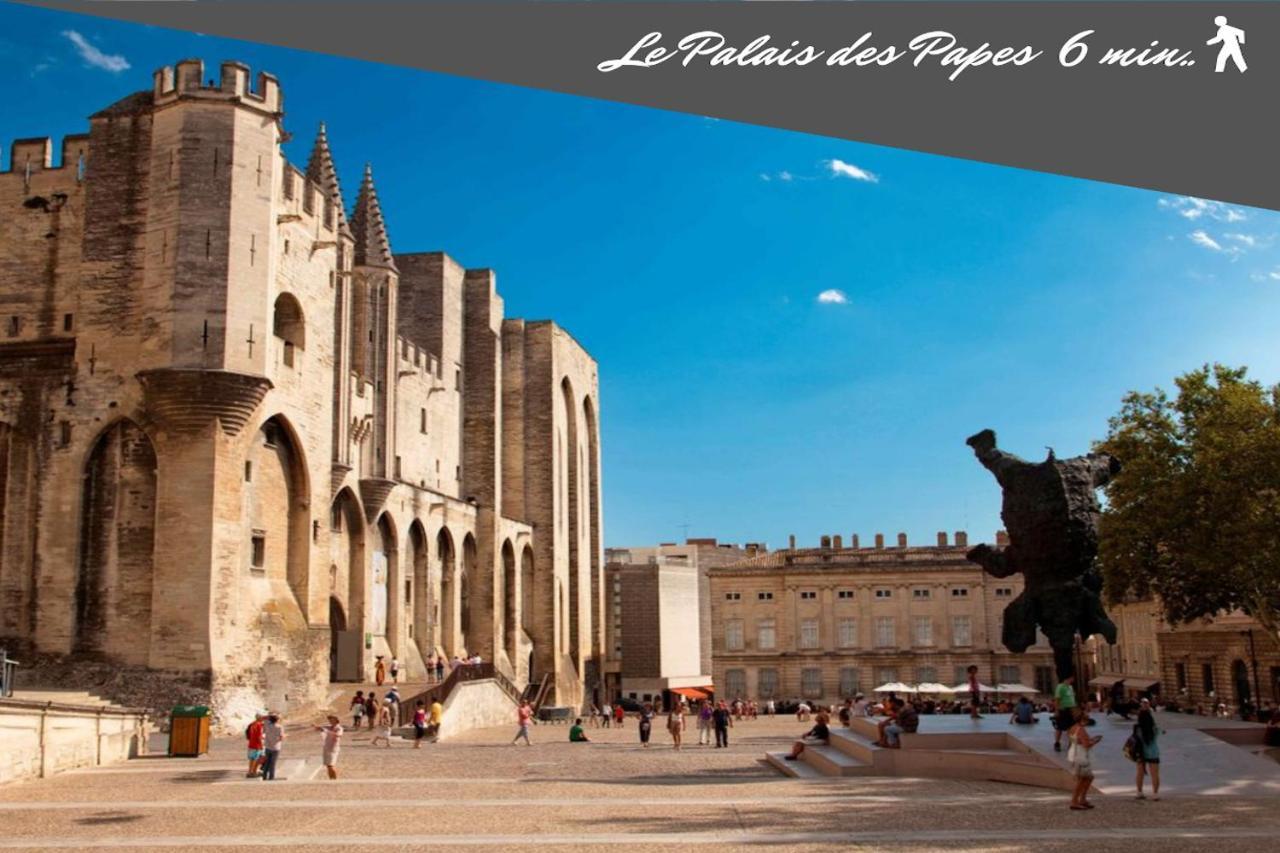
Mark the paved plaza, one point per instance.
(477, 790)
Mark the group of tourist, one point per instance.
(265, 737)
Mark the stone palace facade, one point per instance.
(242, 440)
(826, 623)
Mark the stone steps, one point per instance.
(831, 761)
(795, 769)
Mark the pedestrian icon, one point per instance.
(1230, 38)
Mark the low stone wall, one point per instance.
(477, 705)
(39, 739)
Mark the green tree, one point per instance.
(1194, 515)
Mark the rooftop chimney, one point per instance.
(826, 542)
(962, 539)
(879, 540)
(1002, 538)
(942, 538)
(902, 540)
(837, 542)
(853, 541)
(793, 542)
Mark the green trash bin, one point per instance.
(189, 730)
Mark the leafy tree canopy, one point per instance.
(1194, 516)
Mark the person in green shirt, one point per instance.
(576, 734)
(1064, 700)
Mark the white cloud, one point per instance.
(784, 175)
(1201, 238)
(1190, 207)
(833, 297)
(114, 63)
(841, 169)
(1244, 239)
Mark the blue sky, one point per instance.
(690, 256)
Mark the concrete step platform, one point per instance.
(794, 769)
(830, 761)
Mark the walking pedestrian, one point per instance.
(721, 719)
(431, 667)
(371, 708)
(1064, 699)
(435, 720)
(606, 715)
(704, 723)
(253, 735)
(380, 671)
(272, 741)
(524, 718)
(357, 709)
(395, 670)
(619, 714)
(419, 724)
(440, 668)
(384, 726)
(1080, 757)
(332, 745)
(1148, 735)
(975, 692)
(646, 724)
(675, 724)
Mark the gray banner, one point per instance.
(1109, 106)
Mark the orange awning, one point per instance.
(691, 692)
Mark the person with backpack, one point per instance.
(1147, 750)
(371, 708)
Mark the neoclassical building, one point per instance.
(241, 438)
(829, 622)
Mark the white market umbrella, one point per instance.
(895, 687)
(964, 688)
(1017, 688)
(933, 687)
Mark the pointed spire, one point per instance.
(373, 249)
(321, 171)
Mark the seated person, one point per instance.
(846, 711)
(891, 713)
(1024, 713)
(819, 734)
(576, 734)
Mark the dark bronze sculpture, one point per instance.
(1051, 513)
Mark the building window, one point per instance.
(1206, 676)
(1044, 680)
(1010, 674)
(733, 596)
(845, 594)
(733, 635)
(927, 674)
(735, 683)
(960, 674)
(886, 675)
(767, 683)
(848, 681)
(422, 421)
(764, 596)
(961, 631)
(920, 593)
(884, 593)
(884, 632)
(811, 682)
(808, 594)
(960, 592)
(1004, 592)
(921, 631)
(15, 326)
(259, 545)
(809, 634)
(847, 631)
(1180, 676)
(766, 634)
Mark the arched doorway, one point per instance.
(421, 602)
(337, 625)
(115, 565)
(596, 610)
(385, 615)
(465, 576)
(1240, 677)
(346, 551)
(449, 615)
(573, 511)
(276, 522)
(509, 601)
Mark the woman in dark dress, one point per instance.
(646, 724)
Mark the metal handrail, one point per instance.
(462, 672)
(8, 670)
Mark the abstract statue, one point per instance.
(1051, 514)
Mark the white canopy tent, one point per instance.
(895, 687)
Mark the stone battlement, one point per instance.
(186, 80)
(35, 154)
(417, 359)
(308, 201)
